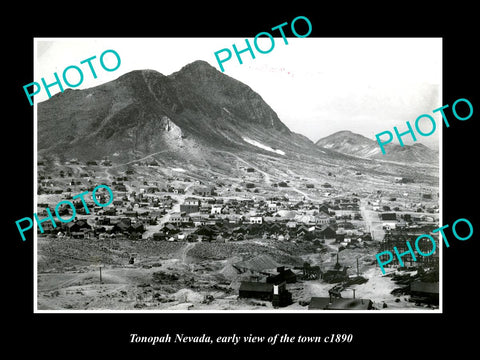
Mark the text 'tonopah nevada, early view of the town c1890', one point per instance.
(218, 205)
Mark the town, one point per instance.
(256, 237)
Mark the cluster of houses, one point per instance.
(206, 216)
(225, 231)
(398, 238)
(212, 218)
(104, 228)
(274, 286)
(402, 227)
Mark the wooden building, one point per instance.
(427, 292)
(328, 303)
(276, 293)
(287, 276)
(256, 290)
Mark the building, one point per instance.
(323, 219)
(277, 294)
(287, 276)
(398, 238)
(272, 206)
(328, 303)
(77, 226)
(204, 190)
(216, 209)
(337, 273)
(159, 236)
(326, 232)
(188, 209)
(281, 297)
(256, 290)
(425, 292)
(389, 225)
(256, 220)
(323, 209)
(117, 202)
(291, 225)
(179, 218)
(192, 201)
(388, 216)
(178, 190)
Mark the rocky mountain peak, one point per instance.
(128, 115)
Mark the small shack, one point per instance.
(426, 292)
(328, 303)
(337, 274)
(287, 276)
(277, 294)
(388, 216)
(256, 290)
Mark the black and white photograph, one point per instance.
(258, 188)
(231, 181)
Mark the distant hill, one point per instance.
(349, 143)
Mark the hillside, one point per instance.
(192, 111)
(349, 143)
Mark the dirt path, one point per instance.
(180, 198)
(134, 161)
(184, 251)
(305, 195)
(71, 279)
(265, 174)
(373, 223)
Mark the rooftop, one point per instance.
(323, 303)
(255, 286)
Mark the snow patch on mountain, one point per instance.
(262, 146)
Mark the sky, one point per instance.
(317, 86)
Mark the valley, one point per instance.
(189, 263)
(218, 206)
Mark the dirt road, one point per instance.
(180, 199)
(184, 252)
(265, 174)
(372, 221)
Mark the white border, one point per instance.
(35, 182)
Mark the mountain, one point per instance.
(185, 114)
(349, 143)
(190, 116)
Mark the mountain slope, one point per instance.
(143, 112)
(349, 143)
